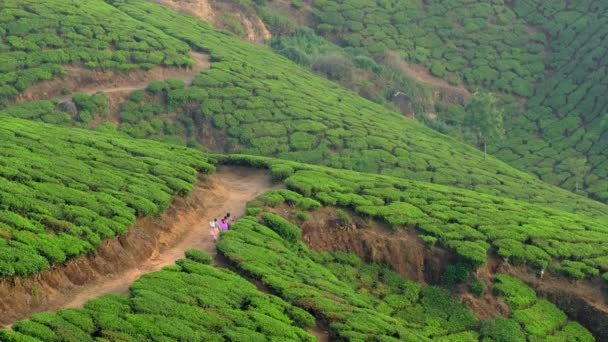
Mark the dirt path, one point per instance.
(79, 79)
(149, 246)
(228, 191)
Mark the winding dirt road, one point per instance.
(149, 246)
(228, 190)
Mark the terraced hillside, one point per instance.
(546, 59)
(38, 37)
(193, 300)
(253, 101)
(470, 224)
(563, 135)
(64, 191)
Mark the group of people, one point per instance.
(223, 224)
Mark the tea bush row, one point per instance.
(563, 134)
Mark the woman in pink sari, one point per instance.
(223, 224)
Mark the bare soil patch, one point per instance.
(148, 246)
(213, 12)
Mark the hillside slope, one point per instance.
(64, 191)
(254, 101)
(563, 135)
(546, 58)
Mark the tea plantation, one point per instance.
(548, 55)
(193, 301)
(254, 101)
(469, 223)
(563, 135)
(478, 43)
(361, 300)
(63, 191)
(38, 37)
(188, 301)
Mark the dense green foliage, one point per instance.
(63, 191)
(188, 301)
(38, 37)
(356, 299)
(563, 134)
(361, 301)
(256, 102)
(466, 222)
(480, 43)
(265, 105)
(539, 318)
(550, 53)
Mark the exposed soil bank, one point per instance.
(148, 246)
(219, 13)
(583, 301)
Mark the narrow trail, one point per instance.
(149, 246)
(228, 191)
(80, 79)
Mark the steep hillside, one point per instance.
(563, 135)
(254, 101)
(193, 300)
(38, 37)
(64, 191)
(548, 54)
(522, 233)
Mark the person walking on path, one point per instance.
(215, 230)
(224, 224)
(229, 220)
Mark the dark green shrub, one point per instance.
(478, 288)
(198, 256)
(502, 330)
(284, 228)
(455, 274)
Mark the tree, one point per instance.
(485, 118)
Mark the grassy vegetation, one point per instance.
(63, 191)
(356, 299)
(471, 224)
(549, 55)
(188, 301)
(256, 102)
(38, 37)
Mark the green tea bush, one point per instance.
(284, 228)
(66, 190)
(517, 294)
(503, 330)
(198, 256)
(540, 319)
